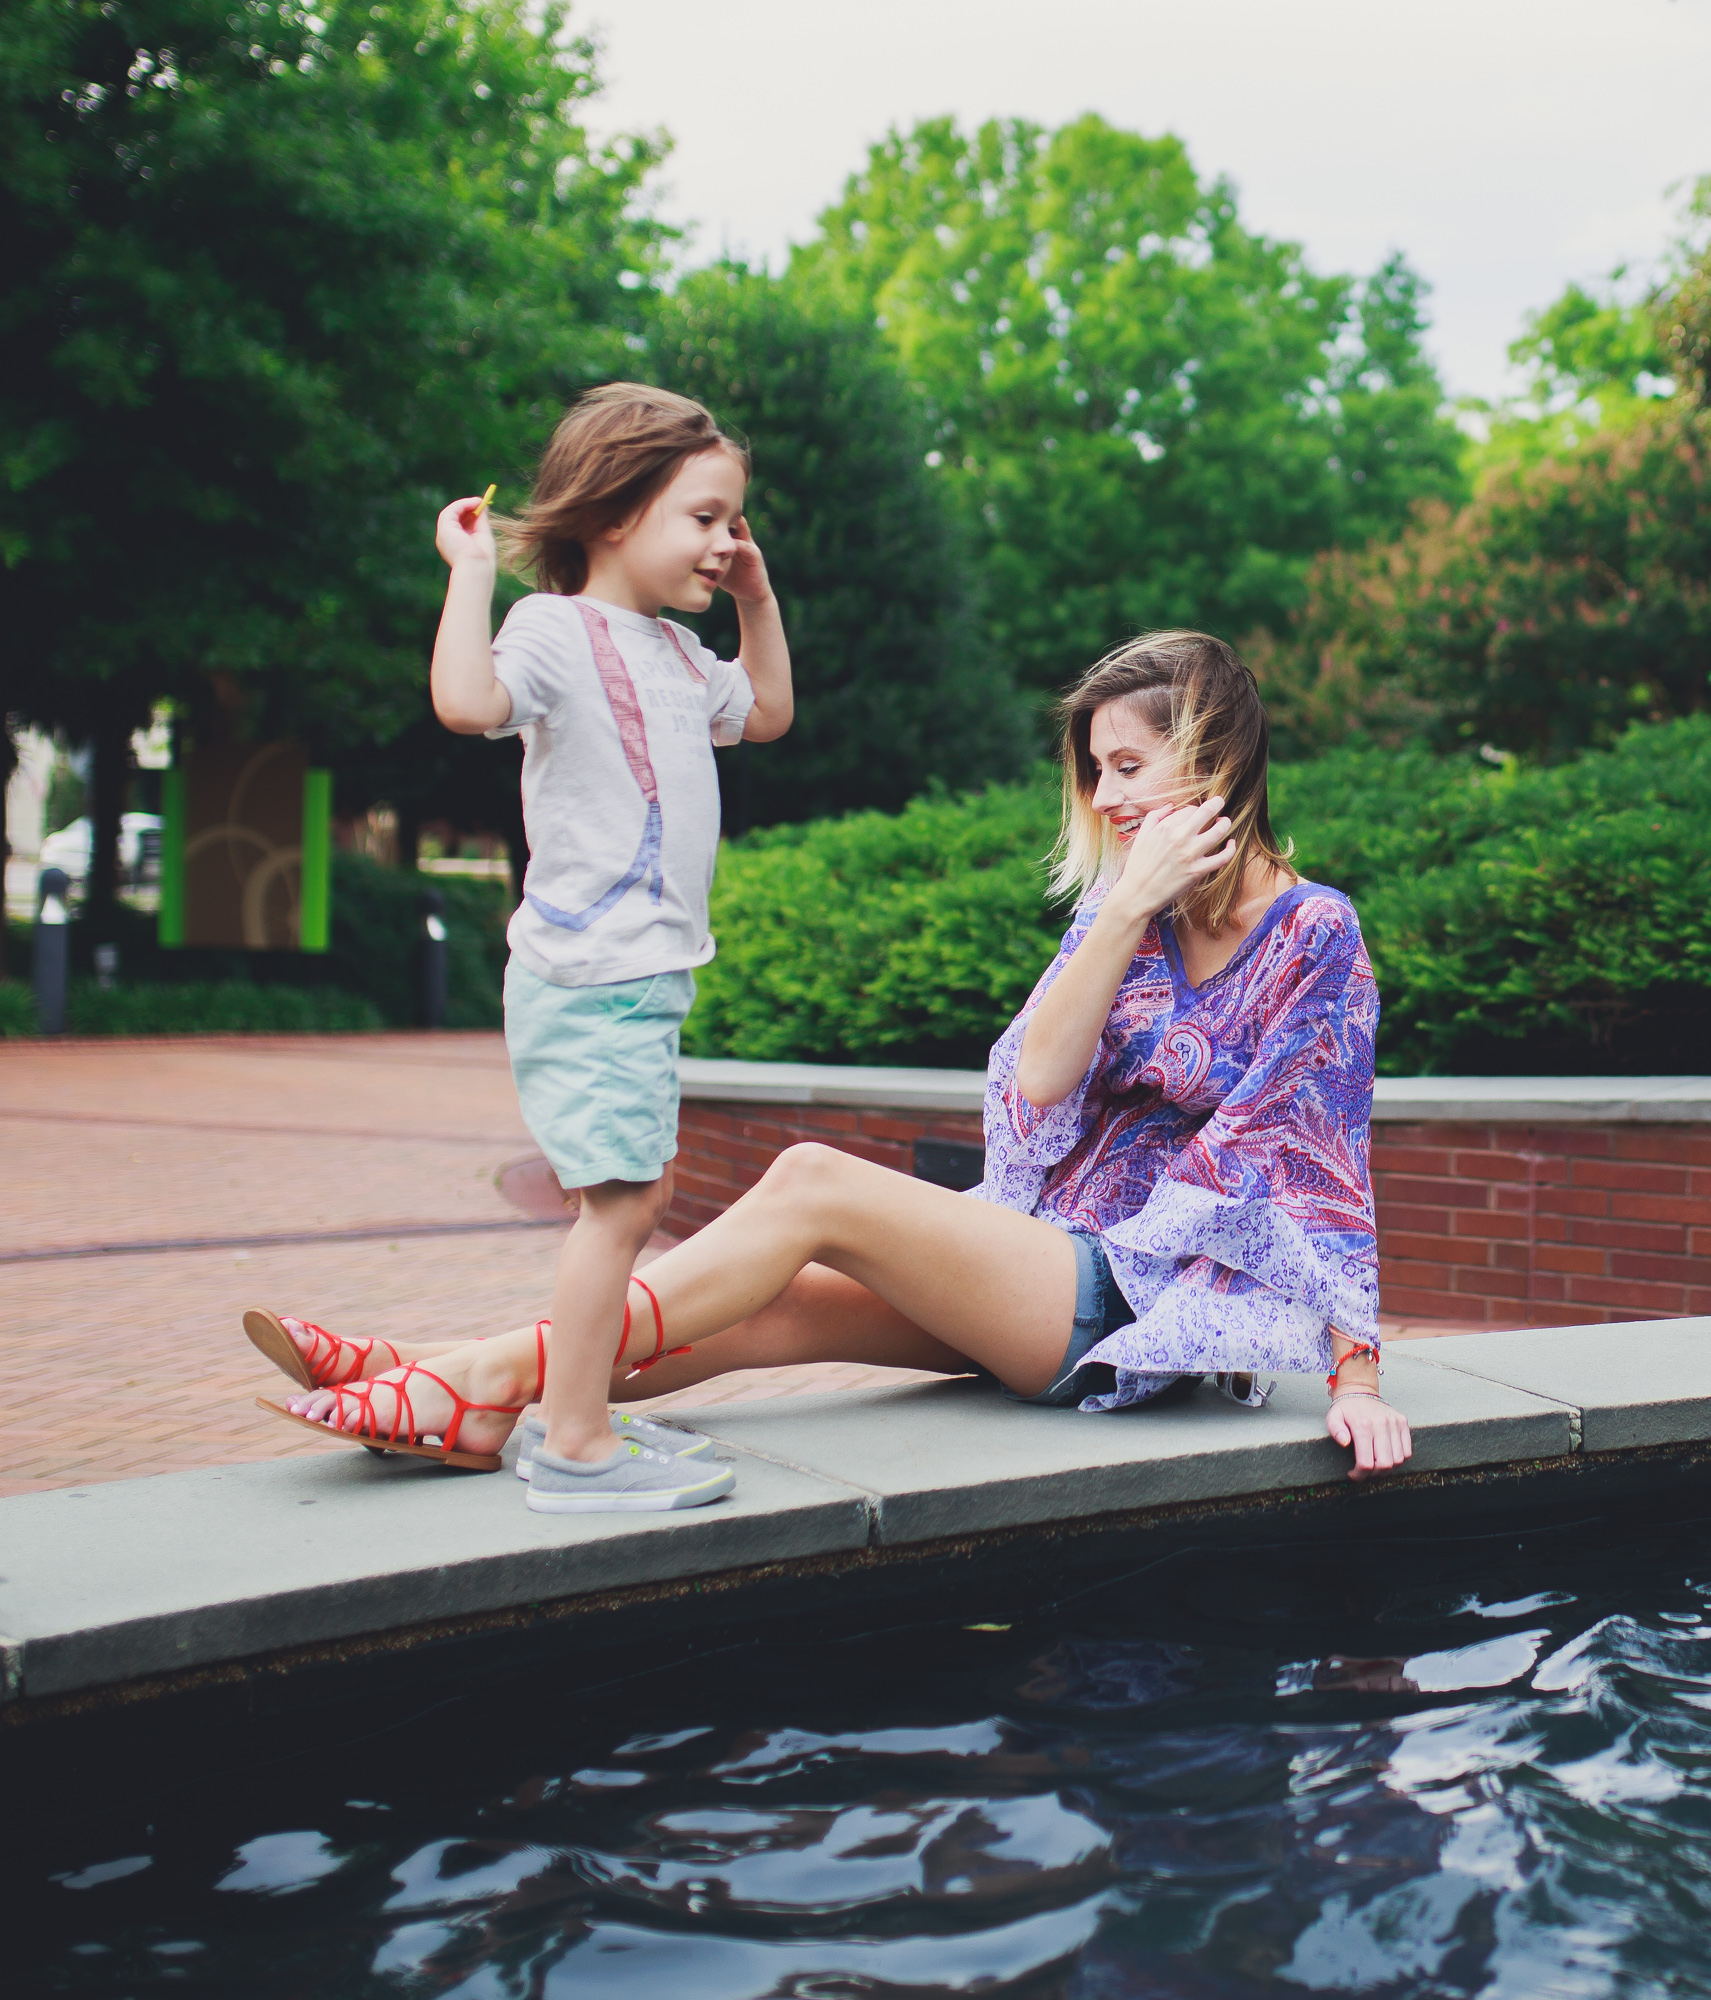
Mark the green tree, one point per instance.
(1569, 598)
(896, 682)
(277, 282)
(1606, 356)
(1150, 414)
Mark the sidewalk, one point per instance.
(141, 1183)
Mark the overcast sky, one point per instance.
(1506, 146)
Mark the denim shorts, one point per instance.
(596, 1071)
(1100, 1308)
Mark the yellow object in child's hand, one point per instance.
(486, 500)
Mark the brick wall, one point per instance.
(723, 1149)
(1553, 1225)
(1501, 1225)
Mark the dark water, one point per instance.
(1477, 1764)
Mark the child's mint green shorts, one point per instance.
(596, 1071)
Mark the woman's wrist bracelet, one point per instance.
(1358, 1350)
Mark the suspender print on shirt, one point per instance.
(626, 710)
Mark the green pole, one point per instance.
(170, 919)
(315, 902)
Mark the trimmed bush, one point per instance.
(1361, 817)
(1519, 920)
(878, 938)
(231, 1007)
(17, 1009)
(376, 941)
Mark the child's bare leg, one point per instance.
(614, 1223)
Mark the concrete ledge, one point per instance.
(154, 1577)
(109, 1583)
(852, 1085)
(1517, 1100)
(957, 1458)
(1543, 1100)
(1632, 1386)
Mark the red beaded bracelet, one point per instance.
(1359, 1348)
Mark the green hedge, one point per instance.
(377, 929)
(208, 1008)
(17, 1009)
(879, 938)
(1519, 920)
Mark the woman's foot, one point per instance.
(422, 1400)
(332, 1360)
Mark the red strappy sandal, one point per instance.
(661, 1352)
(403, 1434)
(332, 1361)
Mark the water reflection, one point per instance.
(1248, 1787)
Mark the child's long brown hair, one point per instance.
(1199, 693)
(612, 453)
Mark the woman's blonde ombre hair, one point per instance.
(1197, 692)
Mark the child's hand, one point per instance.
(746, 579)
(462, 535)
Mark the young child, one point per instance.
(638, 505)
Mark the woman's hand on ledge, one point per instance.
(1378, 1435)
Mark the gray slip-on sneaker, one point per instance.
(634, 1480)
(674, 1439)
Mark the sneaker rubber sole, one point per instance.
(611, 1501)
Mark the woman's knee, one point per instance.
(806, 1175)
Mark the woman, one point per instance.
(1176, 1138)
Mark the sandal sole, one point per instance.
(465, 1461)
(267, 1333)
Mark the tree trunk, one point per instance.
(8, 764)
(109, 773)
(409, 837)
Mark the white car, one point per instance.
(72, 846)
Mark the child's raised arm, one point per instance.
(468, 697)
(764, 653)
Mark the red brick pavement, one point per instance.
(116, 1366)
(113, 1366)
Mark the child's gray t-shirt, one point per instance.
(619, 714)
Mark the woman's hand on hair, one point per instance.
(746, 580)
(1173, 849)
(1378, 1435)
(464, 533)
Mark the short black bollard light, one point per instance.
(51, 951)
(106, 966)
(433, 958)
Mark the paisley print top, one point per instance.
(1217, 1145)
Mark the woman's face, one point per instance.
(1136, 766)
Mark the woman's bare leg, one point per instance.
(821, 1315)
(981, 1281)
(932, 1279)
